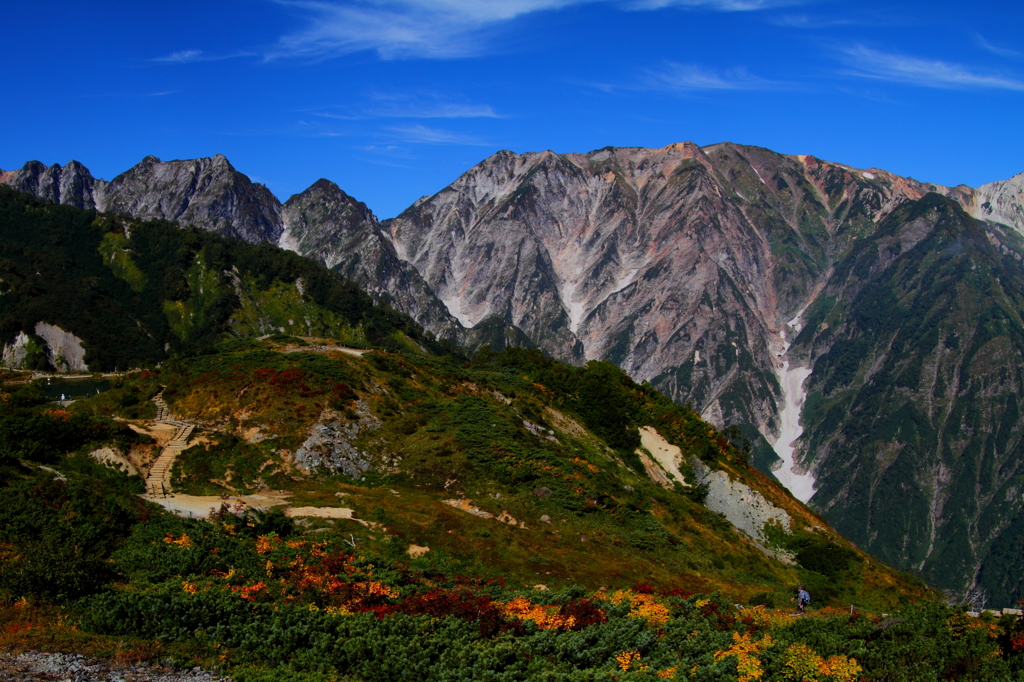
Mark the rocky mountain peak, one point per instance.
(1001, 202)
(70, 184)
(331, 227)
(207, 192)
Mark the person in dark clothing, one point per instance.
(802, 599)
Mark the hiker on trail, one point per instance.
(802, 599)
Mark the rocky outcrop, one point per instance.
(115, 460)
(744, 507)
(72, 184)
(64, 350)
(208, 193)
(49, 348)
(332, 228)
(17, 351)
(330, 446)
(1000, 202)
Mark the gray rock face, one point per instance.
(332, 228)
(1000, 202)
(679, 264)
(744, 507)
(330, 446)
(14, 353)
(62, 350)
(72, 184)
(207, 193)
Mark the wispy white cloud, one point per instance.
(192, 56)
(996, 49)
(869, 63)
(673, 77)
(805, 21)
(133, 95)
(402, 105)
(182, 57)
(439, 29)
(715, 5)
(420, 134)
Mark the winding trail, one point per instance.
(158, 482)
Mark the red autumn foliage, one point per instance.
(712, 610)
(462, 604)
(287, 377)
(585, 611)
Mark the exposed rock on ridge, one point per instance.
(71, 184)
(332, 228)
(679, 264)
(208, 193)
(1000, 202)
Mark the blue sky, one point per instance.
(393, 99)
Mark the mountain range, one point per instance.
(862, 329)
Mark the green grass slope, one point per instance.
(628, 580)
(514, 435)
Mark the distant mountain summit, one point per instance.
(871, 319)
(72, 184)
(208, 193)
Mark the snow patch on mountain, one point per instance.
(574, 307)
(800, 483)
(287, 241)
(454, 305)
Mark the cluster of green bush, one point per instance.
(123, 569)
(32, 429)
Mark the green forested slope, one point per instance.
(136, 292)
(913, 413)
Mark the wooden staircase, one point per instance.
(158, 482)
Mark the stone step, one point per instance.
(157, 481)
